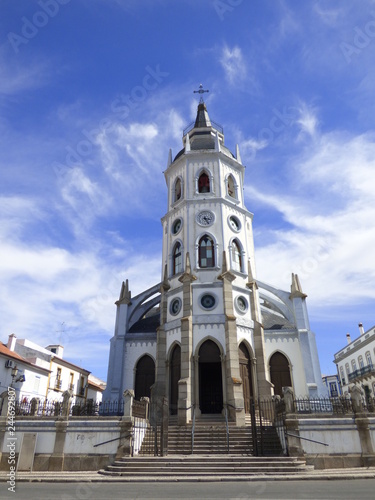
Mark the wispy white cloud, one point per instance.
(329, 211)
(308, 120)
(234, 65)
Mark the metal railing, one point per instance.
(361, 372)
(47, 408)
(214, 125)
(227, 427)
(193, 430)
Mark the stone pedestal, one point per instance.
(56, 462)
(126, 442)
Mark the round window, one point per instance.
(175, 306)
(176, 226)
(234, 223)
(241, 304)
(208, 301)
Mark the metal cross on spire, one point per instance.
(200, 91)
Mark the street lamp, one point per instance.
(14, 374)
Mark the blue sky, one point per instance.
(93, 93)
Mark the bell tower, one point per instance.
(207, 245)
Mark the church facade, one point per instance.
(211, 335)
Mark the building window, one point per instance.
(368, 358)
(231, 187)
(342, 375)
(82, 386)
(58, 379)
(206, 252)
(208, 301)
(236, 256)
(347, 369)
(177, 192)
(175, 306)
(333, 389)
(71, 382)
(204, 183)
(177, 259)
(354, 365)
(241, 304)
(360, 362)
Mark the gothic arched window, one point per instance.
(177, 259)
(206, 254)
(231, 187)
(236, 256)
(177, 193)
(204, 183)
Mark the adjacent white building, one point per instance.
(355, 362)
(211, 335)
(27, 379)
(38, 372)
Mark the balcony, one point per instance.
(362, 374)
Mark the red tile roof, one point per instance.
(11, 354)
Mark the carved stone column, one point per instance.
(234, 389)
(185, 383)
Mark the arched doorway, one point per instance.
(245, 373)
(144, 377)
(174, 377)
(210, 378)
(280, 372)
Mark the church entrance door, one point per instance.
(210, 378)
(144, 377)
(245, 373)
(174, 377)
(280, 373)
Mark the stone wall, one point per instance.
(62, 444)
(331, 440)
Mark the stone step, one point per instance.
(222, 471)
(211, 459)
(204, 466)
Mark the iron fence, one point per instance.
(89, 408)
(323, 405)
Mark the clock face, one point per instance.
(234, 223)
(208, 301)
(205, 218)
(176, 226)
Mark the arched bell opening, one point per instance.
(210, 379)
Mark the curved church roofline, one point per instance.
(140, 304)
(278, 298)
(281, 294)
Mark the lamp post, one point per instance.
(14, 374)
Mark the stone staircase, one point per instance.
(203, 468)
(210, 438)
(211, 459)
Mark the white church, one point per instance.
(211, 335)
